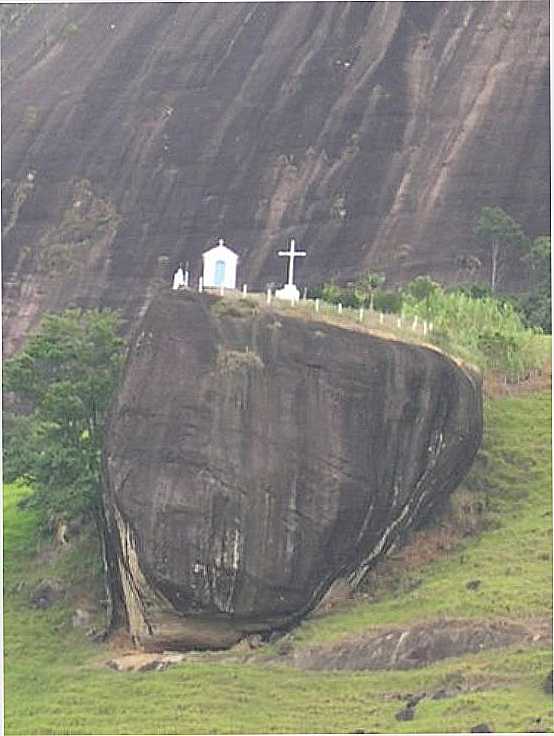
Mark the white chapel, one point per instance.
(219, 267)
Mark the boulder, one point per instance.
(253, 458)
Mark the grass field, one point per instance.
(55, 682)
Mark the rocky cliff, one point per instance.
(252, 458)
(134, 134)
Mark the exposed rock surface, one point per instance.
(252, 460)
(413, 646)
(372, 131)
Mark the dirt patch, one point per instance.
(144, 662)
(495, 385)
(417, 646)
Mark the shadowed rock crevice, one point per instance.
(252, 460)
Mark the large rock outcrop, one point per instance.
(253, 457)
(373, 132)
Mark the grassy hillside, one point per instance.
(56, 681)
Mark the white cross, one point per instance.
(292, 254)
(221, 242)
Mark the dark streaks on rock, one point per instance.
(373, 131)
(242, 525)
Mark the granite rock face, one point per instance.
(253, 458)
(372, 132)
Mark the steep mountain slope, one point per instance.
(372, 131)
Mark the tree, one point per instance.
(421, 291)
(64, 380)
(538, 257)
(536, 305)
(366, 287)
(503, 234)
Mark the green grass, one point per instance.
(54, 681)
(513, 559)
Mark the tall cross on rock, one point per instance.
(289, 291)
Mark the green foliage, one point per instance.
(390, 302)
(422, 288)
(331, 293)
(513, 559)
(502, 234)
(238, 308)
(536, 306)
(64, 377)
(424, 292)
(54, 679)
(475, 291)
(538, 256)
(488, 331)
(364, 288)
(495, 224)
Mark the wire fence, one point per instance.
(398, 326)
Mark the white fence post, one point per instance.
(317, 305)
(340, 308)
(222, 290)
(361, 314)
(245, 289)
(268, 296)
(424, 326)
(381, 317)
(399, 322)
(200, 284)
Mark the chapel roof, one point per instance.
(222, 249)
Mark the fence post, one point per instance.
(200, 284)
(245, 289)
(268, 296)
(414, 324)
(361, 314)
(424, 326)
(399, 322)
(340, 308)
(221, 290)
(317, 305)
(381, 317)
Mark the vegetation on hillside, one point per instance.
(468, 323)
(63, 382)
(55, 677)
(502, 234)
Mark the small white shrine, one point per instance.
(219, 267)
(289, 290)
(181, 278)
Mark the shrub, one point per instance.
(387, 301)
(65, 377)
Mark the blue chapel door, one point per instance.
(219, 273)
